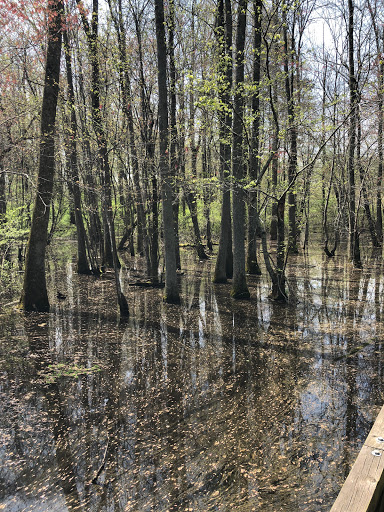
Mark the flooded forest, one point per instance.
(191, 271)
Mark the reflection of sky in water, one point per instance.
(214, 405)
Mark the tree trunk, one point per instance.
(91, 200)
(125, 85)
(207, 194)
(91, 32)
(292, 134)
(379, 38)
(354, 246)
(278, 286)
(362, 174)
(34, 296)
(173, 156)
(189, 193)
(171, 285)
(379, 181)
(274, 167)
(239, 286)
(254, 164)
(224, 261)
(82, 241)
(3, 199)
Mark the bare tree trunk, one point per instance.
(173, 156)
(91, 32)
(354, 246)
(379, 181)
(379, 37)
(239, 286)
(207, 194)
(171, 285)
(190, 194)
(82, 240)
(149, 167)
(3, 199)
(95, 230)
(224, 261)
(125, 85)
(362, 174)
(275, 165)
(34, 296)
(252, 264)
(292, 134)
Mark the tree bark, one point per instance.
(354, 246)
(189, 192)
(379, 180)
(34, 296)
(82, 241)
(379, 38)
(167, 180)
(125, 85)
(254, 165)
(224, 261)
(3, 199)
(91, 32)
(362, 174)
(292, 134)
(173, 149)
(239, 286)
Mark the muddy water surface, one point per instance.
(213, 405)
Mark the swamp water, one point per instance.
(214, 405)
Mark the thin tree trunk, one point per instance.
(95, 231)
(367, 209)
(292, 134)
(125, 85)
(275, 165)
(354, 245)
(224, 261)
(91, 32)
(191, 200)
(252, 264)
(379, 38)
(278, 287)
(379, 181)
(173, 125)
(189, 193)
(3, 199)
(207, 194)
(82, 241)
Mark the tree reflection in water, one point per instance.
(212, 405)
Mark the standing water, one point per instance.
(214, 405)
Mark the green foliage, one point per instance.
(13, 228)
(13, 233)
(58, 370)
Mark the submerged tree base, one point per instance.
(34, 307)
(278, 293)
(219, 280)
(253, 268)
(171, 299)
(240, 294)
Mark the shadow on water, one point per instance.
(214, 405)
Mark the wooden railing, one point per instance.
(364, 486)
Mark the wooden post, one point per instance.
(363, 488)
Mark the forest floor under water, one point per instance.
(211, 405)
